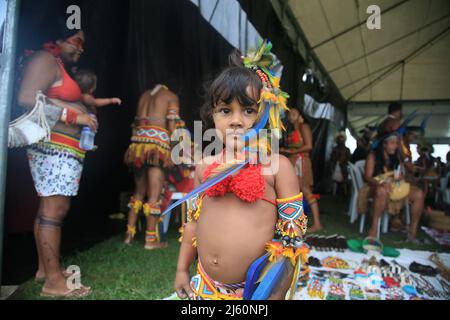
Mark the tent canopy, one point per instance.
(406, 60)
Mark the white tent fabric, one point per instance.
(318, 110)
(405, 60)
(228, 18)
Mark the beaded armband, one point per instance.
(193, 214)
(289, 231)
(195, 206)
(172, 114)
(292, 221)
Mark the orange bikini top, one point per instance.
(294, 138)
(248, 184)
(68, 90)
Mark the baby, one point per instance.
(87, 80)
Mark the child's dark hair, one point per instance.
(380, 162)
(301, 113)
(394, 107)
(86, 79)
(232, 83)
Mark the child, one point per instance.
(299, 147)
(87, 81)
(233, 221)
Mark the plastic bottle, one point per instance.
(87, 138)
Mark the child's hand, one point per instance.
(116, 101)
(182, 285)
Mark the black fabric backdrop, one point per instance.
(132, 46)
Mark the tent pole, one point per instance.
(6, 94)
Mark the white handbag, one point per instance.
(35, 125)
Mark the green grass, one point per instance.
(120, 272)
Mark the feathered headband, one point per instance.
(403, 128)
(272, 102)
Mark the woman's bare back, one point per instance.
(153, 110)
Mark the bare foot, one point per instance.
(128, 239)
(155, 245)
(81, 292)
(59, 289)
(372, 234)
(315, 228)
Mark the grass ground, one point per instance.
(119, 272)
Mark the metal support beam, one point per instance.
(356, 26)
(6, 94)
(387, 45)
(214, 11)
(302, 47)
(406, 60)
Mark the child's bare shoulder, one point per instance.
(203, 164)
(285, 163)
(277, 163)
(286, 181)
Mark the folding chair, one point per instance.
(354, 196)
(166, 220)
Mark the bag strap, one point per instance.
(38, 108)
(42, 119)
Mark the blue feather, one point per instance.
(270, 280)
(408, 119)
(424, 123)
(253, 275)
(401, 130)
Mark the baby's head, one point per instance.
(231, 104)
(87, 81)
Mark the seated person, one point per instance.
(380, 162)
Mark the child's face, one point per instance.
(390, 146)
(233, 120)
(293, 116)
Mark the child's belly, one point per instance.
(232, 237)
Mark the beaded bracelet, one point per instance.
(64, 115)
(71, 117)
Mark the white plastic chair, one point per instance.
(352, 212)
(383, 223)
(443, 190)
(361, 165)
(356, 171)
(166, 220)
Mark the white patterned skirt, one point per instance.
(56, 166)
